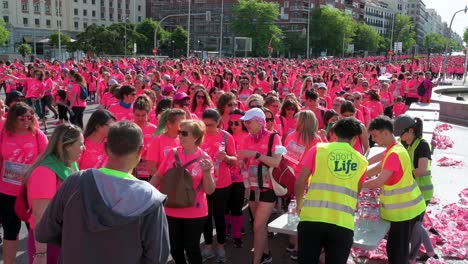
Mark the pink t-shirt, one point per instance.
(296, 150)
(76, 89)
(398, 109)
(393, 164)
(236, 170)
(121, 113)
(200, 208)
(289, 125)
(211, 145)
(18, 152)
(252, 163)
(43, 183)
(148, 132)
(93, 156)
(375, 108)
(35, 88)
(160, 146)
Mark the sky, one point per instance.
(446, 8)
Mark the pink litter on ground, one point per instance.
(449, 162)
(452, 225)
(379, 253)
(443, 127)
(435, 261)
(440, 141)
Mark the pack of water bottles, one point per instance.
(368, 204)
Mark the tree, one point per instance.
(434, 42)
(294, 43)
(178, 40)
(54, 39)
(367, 38)
(330, 29)
(122, 30)
(96, 39)
(24, 49)
(403, 31)
(465, 36)
(4, 33)
(256, 19)
(146, 28)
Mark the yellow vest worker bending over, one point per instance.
(401, 201)
(327, 212)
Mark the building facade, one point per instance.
(35, 20)
(379, 15)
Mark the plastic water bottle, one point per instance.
(221, 148)
(292, 215)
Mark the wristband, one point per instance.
(39, 255)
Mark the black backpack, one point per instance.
(421, 89)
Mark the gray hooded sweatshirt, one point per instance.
(97, 218)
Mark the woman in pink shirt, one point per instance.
(141, 110)
(200, 102)
(186, 224)
(226, 103)
(262, 197)
(165, 139)
(43, 180)
(2, 114)
(373, 104)
(220, 145)
(95, 135)
(123, 109)
(234, 214)
(77, 105)
(288, 111)
(20, 144)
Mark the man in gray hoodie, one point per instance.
(108, 215)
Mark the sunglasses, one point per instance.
(234, 123)
(200, 97)
(269, 119)
(25, 117)
(183, 133)
(232, 105)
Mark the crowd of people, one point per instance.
(90, 188)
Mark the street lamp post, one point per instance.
(308, 31)
(59, 25)
(173, 48)
(188, 27)
(448, 40)
(125, 37)
(221, 31)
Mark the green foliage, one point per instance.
(366, 38)
(24, 49)
(455, 46)
(465, 36)
(54, 39)
(4, 33)
(329, 28)
(146, 29)
(403, 31)
(435, 42)
(294, 43)
(179, 39)
(256, 19)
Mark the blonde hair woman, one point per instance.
(43, 179)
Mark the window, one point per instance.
(6, 19)
(76, 1)
(25, 21)
(139, 8)
(93, 2)
(111, 16)
(37, 22)
(286, 4)
(93, 13)
(59, 23)
(139, 18)
(5, 4)
(24, 7)
(75, 11)
(48, 22)
(119, 17)
(84, 1)
(110, 4)
(85, 12)
(76, 25)
(85, 25)
(103, 17)
(47, 9)
(119, 5)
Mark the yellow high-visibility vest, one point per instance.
(403, 200)
(333, 190)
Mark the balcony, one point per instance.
(298, 20)
(298, 8)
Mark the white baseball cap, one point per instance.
(254, 113)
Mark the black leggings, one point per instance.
(47, 101)
(184, 236)
(217, 202)
(10, 221)
(313, 236)
(77, 117)
(236, 199)
(62, 112)
(398, 241)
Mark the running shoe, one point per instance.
(266, 258)
(293, 255)
(207, 254)
(290, 248)
(220, 255)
